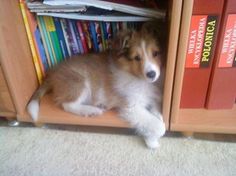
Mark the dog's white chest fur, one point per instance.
(135, 91)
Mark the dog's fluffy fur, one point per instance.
(123, 78)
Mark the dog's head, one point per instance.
(141, 52)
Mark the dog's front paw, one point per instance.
(151, 142)
(94, 112)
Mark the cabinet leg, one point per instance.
(13, 122)
(188, 134)
(38, 124)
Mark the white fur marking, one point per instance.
(149, 66)
(33, 109)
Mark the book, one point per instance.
(82, 37)
(134, 7)
(49, 39)
(202, 37)
(73, 41)
(92, 31)
(45, 36)
(31, 43)
(37, 6)
(77, 35)
(65, 31)
(44, 42)
(85, 25)
(61, 38)
(99, 36)
(37, 41)
(53, 38)
(94, 17)
(222, 87)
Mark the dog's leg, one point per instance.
(155, 109)
(146, 124)
(82, 110)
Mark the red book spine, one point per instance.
(82, 37)
(222, 87)
(203, 35)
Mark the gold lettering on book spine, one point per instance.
(208, 42)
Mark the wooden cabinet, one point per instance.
(195, 120)
(20, 74)
(6, 105)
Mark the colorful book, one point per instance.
(61, 38)
(44, 42)
(31, 42)
(65, 31)
(222, 87)
(88, 38)
(92, 31)
(114, 28)
(99, 36)
(77, 35)
(103, 36)
(203, 34)
(82, 37)
(53, 38)
(41, 49)
(46, 37)
(72, 37)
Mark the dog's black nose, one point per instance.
(151, 74)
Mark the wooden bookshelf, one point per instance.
(18, 69)
(195, 120)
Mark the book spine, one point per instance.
(73, 41)
(94, 36)
(66, 36)
(200, 52)
(77, 35)
(41, 49)
(114, 28)
(61, 37)
(45, 34)
(87, 35)
(44, 42)
(109, 30)
(82, 37)
(99, 36)
(53, 35)
(103, 36)
(33, 29)
(104, 26)
(46, 23)
(31, 43)
(222, 88)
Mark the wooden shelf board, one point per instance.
(205, 120)
(49, 113)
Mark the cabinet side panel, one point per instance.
(15, 55)
(174, 24)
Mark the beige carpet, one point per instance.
(49, 152)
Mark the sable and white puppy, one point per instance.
(123, 79)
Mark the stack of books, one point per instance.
(209, 79)
(58, 29)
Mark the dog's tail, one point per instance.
(33, 106)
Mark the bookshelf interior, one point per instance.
(21, 78)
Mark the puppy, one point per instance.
(123, 79)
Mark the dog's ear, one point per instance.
(157, 29)
(121, 42)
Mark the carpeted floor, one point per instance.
(28, 151)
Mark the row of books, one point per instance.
(210, 65)
(53, 39)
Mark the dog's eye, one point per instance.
(156, 53)
(137, 58)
